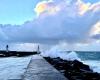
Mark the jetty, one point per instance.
(40, 69)
(4, 53)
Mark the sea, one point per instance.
(12, 68)
(90, 58)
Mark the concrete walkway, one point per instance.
(40, 69)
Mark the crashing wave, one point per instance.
(56, 52)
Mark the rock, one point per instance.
(79, 65)
(73, 70)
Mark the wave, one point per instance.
(94, 65)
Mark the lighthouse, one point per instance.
(38, 50)
(7, 50)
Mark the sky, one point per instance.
(50, 22)
(19, 11)
(91, 1)
(16, 11)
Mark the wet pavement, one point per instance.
(40, 69)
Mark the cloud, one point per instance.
(95, 31)
(57, 20)
(3, 36)
(94, 46)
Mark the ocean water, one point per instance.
(86, 55)
(13, 67)
(90, 58)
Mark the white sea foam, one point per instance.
(94, 65)
(56, 52)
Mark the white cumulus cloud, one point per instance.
(57, 20)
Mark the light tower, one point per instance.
(38, 50)
(7, 50)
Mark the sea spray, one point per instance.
(56, 52)
(94, 65)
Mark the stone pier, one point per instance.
(40, 69)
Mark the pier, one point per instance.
(9, 53)
(4, 53)
(40, 69)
